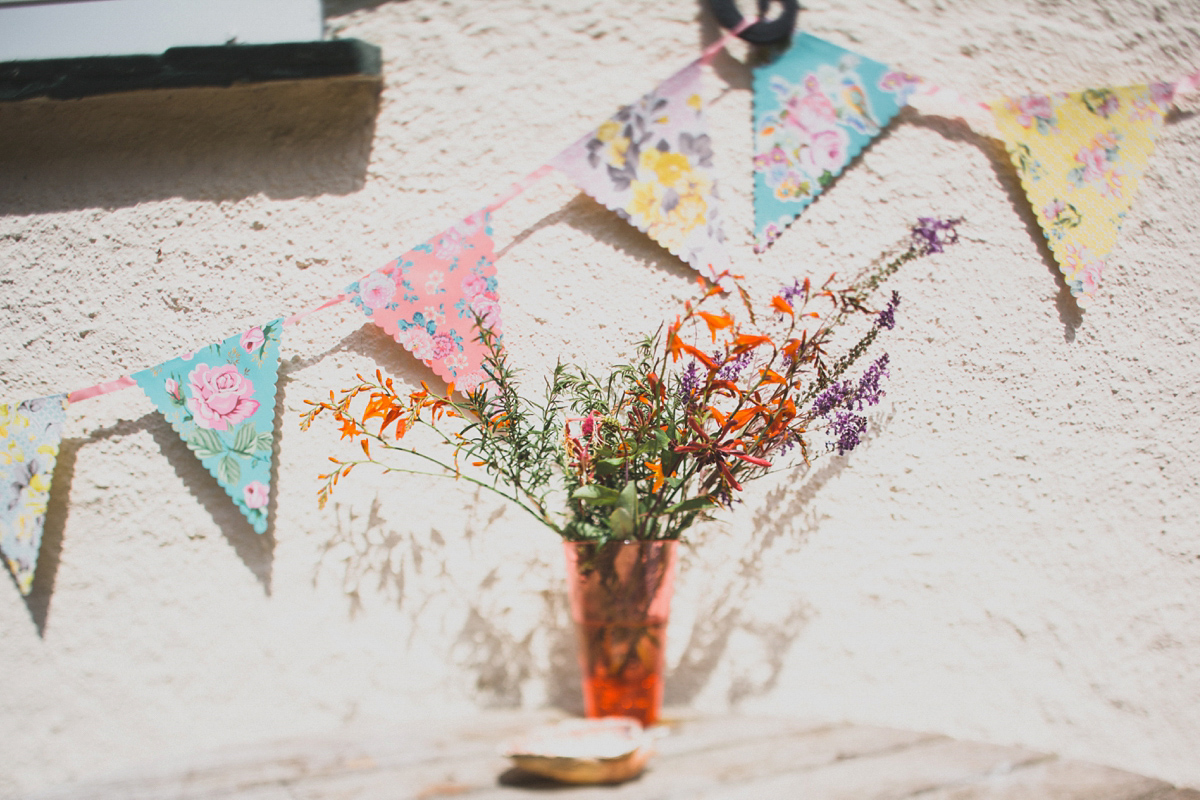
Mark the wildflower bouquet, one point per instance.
(647, 448)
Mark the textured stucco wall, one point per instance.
(1013, 555)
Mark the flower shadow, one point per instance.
(417, 571)
(783, 522)
(1069, 313)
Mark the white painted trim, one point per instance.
(127, 27)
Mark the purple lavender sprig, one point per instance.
(841, 399)
(790, 293)
(887, 317)
(848, 428)
(689, 383)
(731, 370)
(931, 235)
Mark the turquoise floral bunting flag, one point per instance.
(815, 108)
(221, 401)
(30, 433)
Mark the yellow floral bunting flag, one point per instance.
(1080, 157)
(30, 433)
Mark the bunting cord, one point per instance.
(1186, 85)
(711, 51)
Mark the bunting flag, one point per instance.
(652, 163)
(221, 402)
(815, 108)
(29, 436)
(429, 299)
(1080, 157)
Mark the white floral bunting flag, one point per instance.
(1080, 157)
(30, 433)
(221, 401)
(652, 164)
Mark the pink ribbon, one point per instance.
(1187, 85)
(124, 382)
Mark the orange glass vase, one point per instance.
(620, 596)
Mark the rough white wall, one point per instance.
(1011, 557)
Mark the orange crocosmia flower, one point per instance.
(781, 305)
(715, 322)
(747, 341)
(349, 428)
(743, 417)
(771, 376)
(378, 406)
(728, 387)
(699, 356)
(656, 470)
(717, 415)
(673, 343)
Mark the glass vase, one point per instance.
(620, 595)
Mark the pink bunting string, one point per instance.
(1186, 85)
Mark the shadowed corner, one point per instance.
(586, 215)
(284, 139)
(257, 551)
(785, 516)
(50, 552)
(1069, 312)
(733, 73)
(37, 602)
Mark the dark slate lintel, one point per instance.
(185, 67)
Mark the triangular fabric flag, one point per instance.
(30, 433)
(1080, 157)
(652, 164)
(221, 401)
(429, 298)
(815, 108)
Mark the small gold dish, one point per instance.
(581, 751)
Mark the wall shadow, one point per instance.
(57, 509)
(37, 602)
(782, 525)
(285, 139)
(257, 551)
(1069, 312)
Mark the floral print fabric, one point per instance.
(652, 163)
(221, 401)
(429, 299)
(815, 108)
(1080, 157)
(30, 433)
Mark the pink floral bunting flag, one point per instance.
(430, 298)
(652, 164)
(30, 433)
(1080, 157)
(221, 401)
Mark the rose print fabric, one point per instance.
(815, 108)
(30, 433)
(652, 163)
(221, 402)
(430, 298)
(1080, 157)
